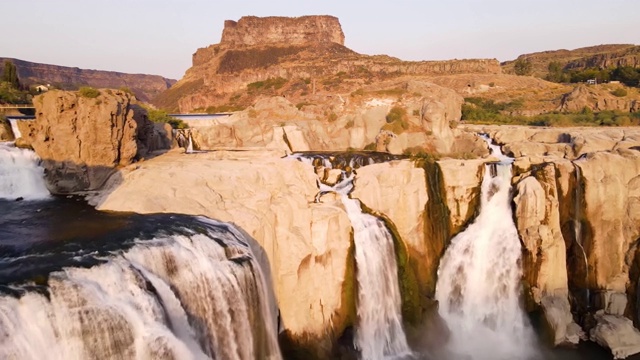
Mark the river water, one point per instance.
(79, 283)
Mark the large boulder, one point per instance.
(82, 140)
(616, 333)
(309, 245)
(5, 130)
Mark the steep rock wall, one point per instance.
(145, 87)
(252, 30)
(83, 140)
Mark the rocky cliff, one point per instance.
(145, 87)
(602, 56)
(293, 57)
(82, 140)
(252, 31)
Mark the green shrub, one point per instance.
(619, 92)
(332, 117)
(89, 92)
(161, 116)
(397, 113)
(270, 83)
(523, 67)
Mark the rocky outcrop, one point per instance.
(624, 56)
(82, 140)
(616, 333)
(544, 253)
(611, 186)
(145, 87)
(305, 55)
(309, 245)
(5, 130)
(599, 56)
(595, 99)
(252, 31)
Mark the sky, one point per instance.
(159, 36)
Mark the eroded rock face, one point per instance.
(544, 256)
(83, 140)
(309, 245)
(252, 30)
(5, 131)
(145, 87)
(595, 99)
(611, 183)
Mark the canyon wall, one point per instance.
(145, 87)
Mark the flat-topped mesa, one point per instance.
(252, 30)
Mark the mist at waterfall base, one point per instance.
(77, 283)
(478, 288)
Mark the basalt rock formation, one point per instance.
(145, 87)
(600, 56)
(82, 140)
(293, 57)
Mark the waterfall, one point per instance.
(190, 144)
(21, 176)
(14, 128)
(577, 228)
(478, 285)
(379, 332)
(197, 293)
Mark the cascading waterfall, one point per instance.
(379, 332)
(192, 293)
(190, 144)
(478, 286)
(21, 176)
(577, 228)
(14, 128)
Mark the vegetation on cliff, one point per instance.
(477, 110)
(627, 75)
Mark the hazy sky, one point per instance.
(159, 36)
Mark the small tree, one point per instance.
(10, 74)
(523, 67)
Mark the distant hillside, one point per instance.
(292, 57)
(145, 87)
(600, 56)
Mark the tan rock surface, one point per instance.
(595, 99)
(272, 200)
(461, 180)
(544, 254)
(5, 131)
(616, 333)
(82, 140)
(611, 183)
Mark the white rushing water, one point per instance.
(15, 129)
(379, 332)
(198, 296)
(190, 144)
(478, 286)
(21, 175)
